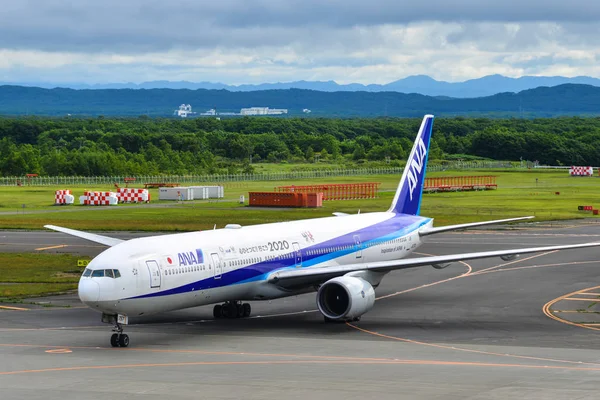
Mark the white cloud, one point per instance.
(236, 41)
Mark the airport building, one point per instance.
(263, 111)
(184, 111)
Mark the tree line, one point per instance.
(147, 146)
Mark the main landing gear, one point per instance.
(232, 309)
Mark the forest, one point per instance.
(150, 146)
(567, 99)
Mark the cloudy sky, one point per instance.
(243, 41)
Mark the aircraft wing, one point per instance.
(447, 228)
(105, 240)
(317, 275)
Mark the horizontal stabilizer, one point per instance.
(105, 240)
(431, 231)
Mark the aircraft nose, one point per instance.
(89, 291)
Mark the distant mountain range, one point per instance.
(421, 84)
(567, 99)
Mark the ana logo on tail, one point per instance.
(416, 166)
(408, 195)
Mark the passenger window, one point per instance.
(87, 272)
(109, 273)
(97, 273)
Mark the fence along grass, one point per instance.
(271, 176)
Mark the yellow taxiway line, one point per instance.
(51, 247)
(14, 308)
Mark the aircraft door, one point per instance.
(297, 254)
(217, 265)
(358, 245)
(154, 272)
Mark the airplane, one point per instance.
(342, 258)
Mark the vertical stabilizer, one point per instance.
(408, 196)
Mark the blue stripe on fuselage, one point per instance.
(392, 228)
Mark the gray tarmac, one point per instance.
(476, 330)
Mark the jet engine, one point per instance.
(345, 298)
(510, 257)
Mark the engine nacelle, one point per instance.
(345, 297)
(509, 257)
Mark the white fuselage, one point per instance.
(170, 272)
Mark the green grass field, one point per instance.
(518, 194)
(35, 274)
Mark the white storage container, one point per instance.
(215, 192)
(200, 192)
(175, 193)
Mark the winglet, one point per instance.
(408, 195)
(105, 240)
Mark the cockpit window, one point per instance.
(97, 273)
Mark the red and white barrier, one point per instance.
(63, 197)
(98, 199)
(581, 171)
(131, 195)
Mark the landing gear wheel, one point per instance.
(246, 310)
(240, 311)
(231, 310)
(114, 340)
(118, 338)
(124, 340)
(218, 311)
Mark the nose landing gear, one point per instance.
(118, 338)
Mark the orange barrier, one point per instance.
(461, 183)
(275, 199)
(160, 184)
(314, 200)
(336, 191)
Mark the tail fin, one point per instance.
(408, 195)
